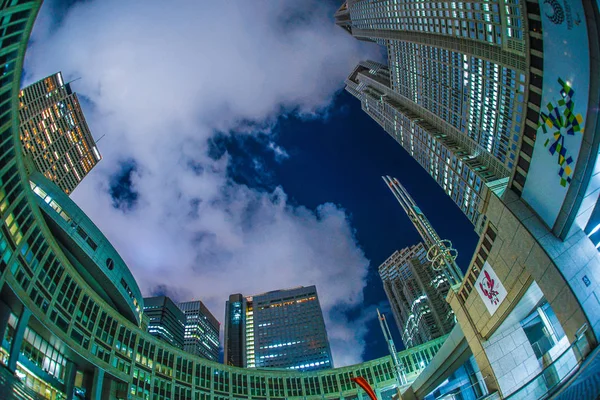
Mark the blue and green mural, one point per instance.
(561, 121)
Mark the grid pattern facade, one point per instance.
(473, 20)
(201, 330)
(417, 295)
(54, 132)
(278, 329)
(463, 175)
(289, 331)
(478, 97)
(167, 321)
(457, 79)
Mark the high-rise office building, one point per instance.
(278, 329)
(167, 321)
(201, 330)
(235, 331)
(417, 294)
(453, 92)
(54, 133)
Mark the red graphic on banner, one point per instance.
(489, 290)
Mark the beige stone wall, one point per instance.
(520, 256)
(512, 358)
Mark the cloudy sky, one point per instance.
(232, 161)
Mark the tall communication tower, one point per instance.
(440, 252)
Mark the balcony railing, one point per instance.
(555, 374)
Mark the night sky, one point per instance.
(341, 160)
(233, 162)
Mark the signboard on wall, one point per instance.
(490, 289)
(563, 107)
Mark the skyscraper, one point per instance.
(201, 330)
(453, 92)
(54, 133)
(167, 321)
(417, 294)
(234, 348)
(278, 329)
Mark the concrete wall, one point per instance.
(525, 253)
(512, 358)
(568, 272)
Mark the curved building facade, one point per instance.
(67, 320)
(70, 308)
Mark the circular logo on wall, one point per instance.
(554, 11)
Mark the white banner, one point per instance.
(563, 108)
(490, 289)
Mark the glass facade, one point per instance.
(235, 331)
(465, 383)
(166, 320)
(289, 331)
(278, 329)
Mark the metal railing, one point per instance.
(551, 378)
(478, 386)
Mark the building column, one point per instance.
(70, 373)
(97, 384)
(474, 340)
(17, 341)
(4, 316)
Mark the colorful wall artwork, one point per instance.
(490, 289)
(564, 102)
(560, 121)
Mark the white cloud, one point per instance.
(280, 153)
(160, 79)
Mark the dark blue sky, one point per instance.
(341, 160)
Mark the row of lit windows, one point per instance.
(405, 131)
(475, 96)
(481, 22)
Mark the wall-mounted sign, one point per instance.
(490, 289)
(563, 108)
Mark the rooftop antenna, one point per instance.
(398, 367)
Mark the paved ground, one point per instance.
(585, 385)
